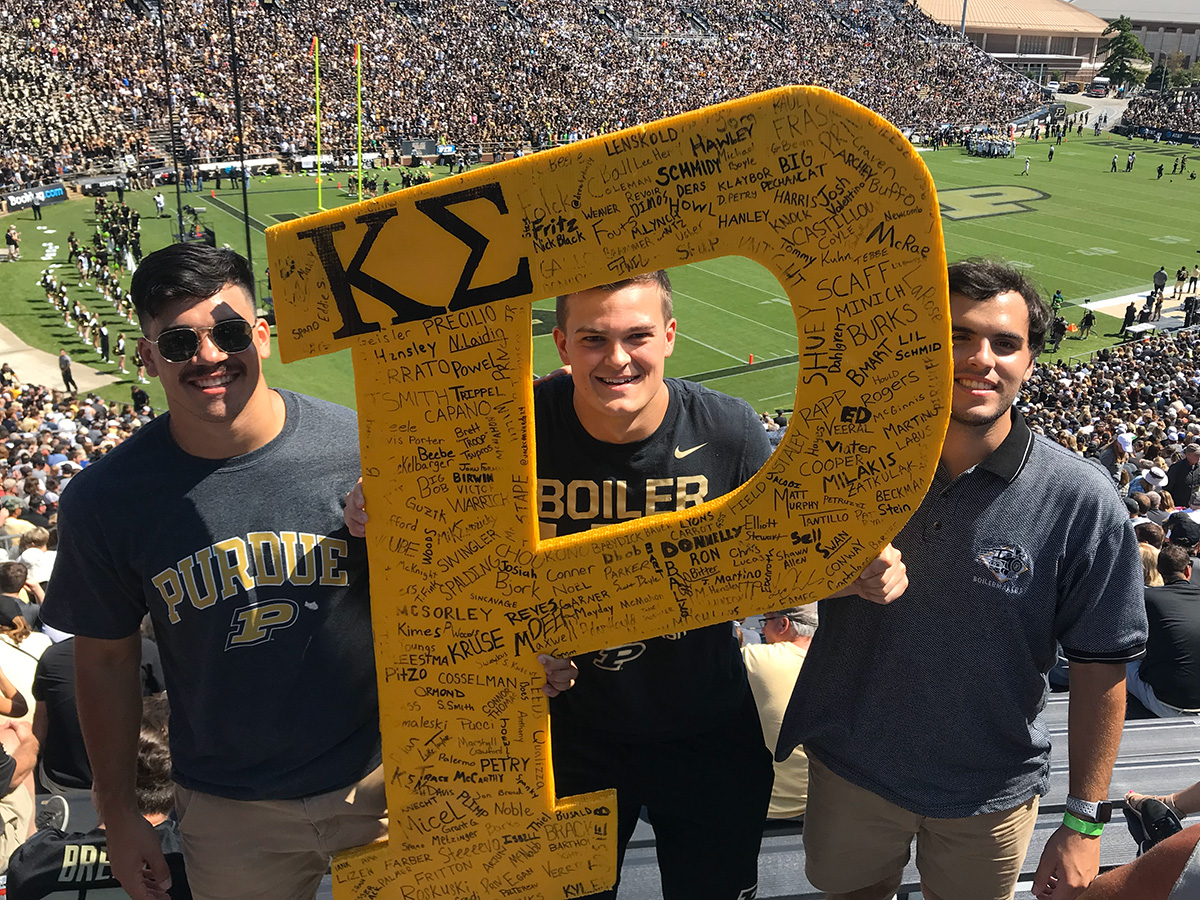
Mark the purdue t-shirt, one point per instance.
(707, 445)
(258, 594)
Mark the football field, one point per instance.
(1071, 223)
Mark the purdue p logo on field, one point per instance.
(988, 200)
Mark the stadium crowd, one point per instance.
(85, 82)
(1167, 111)
(1145, 394)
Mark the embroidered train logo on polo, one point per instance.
(1006, 563)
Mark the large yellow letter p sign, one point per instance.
(431, 287)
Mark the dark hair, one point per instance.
(1149, 533)
(658, 277)
(13, 576)
(186, 272)
(154, 789)
(1142, 501)
(1172, 560)
(982, 279)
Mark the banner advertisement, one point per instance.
(23, 199)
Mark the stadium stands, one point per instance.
(1175, 112)
(87, 83)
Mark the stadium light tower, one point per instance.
(234, 68)
(162, 38)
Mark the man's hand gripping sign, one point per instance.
(432, 287)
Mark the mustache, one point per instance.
(229, 366)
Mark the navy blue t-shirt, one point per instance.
(258, 594)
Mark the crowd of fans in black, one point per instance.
(84, 82)
(1172, 110)
(1132, 407)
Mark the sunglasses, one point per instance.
(180, 344)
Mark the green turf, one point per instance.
(1071, 223)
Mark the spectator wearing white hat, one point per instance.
(1150, 480)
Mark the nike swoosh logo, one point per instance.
(680, 454)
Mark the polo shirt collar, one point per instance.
(1007, 460)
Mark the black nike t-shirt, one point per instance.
(707, 445)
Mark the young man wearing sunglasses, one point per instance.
(258, 595)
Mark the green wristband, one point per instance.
(1092, 829)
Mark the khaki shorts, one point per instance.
(274, 849)
(854, 839)
(16, 814)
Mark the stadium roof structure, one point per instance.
(1020, 16)
(1181, 11)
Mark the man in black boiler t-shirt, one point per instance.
(669, 722)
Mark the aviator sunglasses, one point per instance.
(180, 344)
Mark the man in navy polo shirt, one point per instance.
(923, 718)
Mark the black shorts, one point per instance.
(706, 797)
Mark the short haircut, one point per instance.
(982, 279)
(13, 576)
(658, 277)
(1149, 533)
(1142, 501)
(186, 272)
(1173, 559)
(803, 617)
(34, 537)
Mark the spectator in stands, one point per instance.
(1015, 510)
(1139, 505)
(1183, 478)
(772, 667)
(1156, 514)
(1167, 680)
(1150, 534)
(20, 649)
(1150, 573)
(324, 788)
(15, 524)
(18, 756)
(13, 703)
(17, 596)
(33, 550)
(64, 764)
(1170, 870)
(53, 857)
(1183, 531)
(1182, 803)
(1150, 480)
